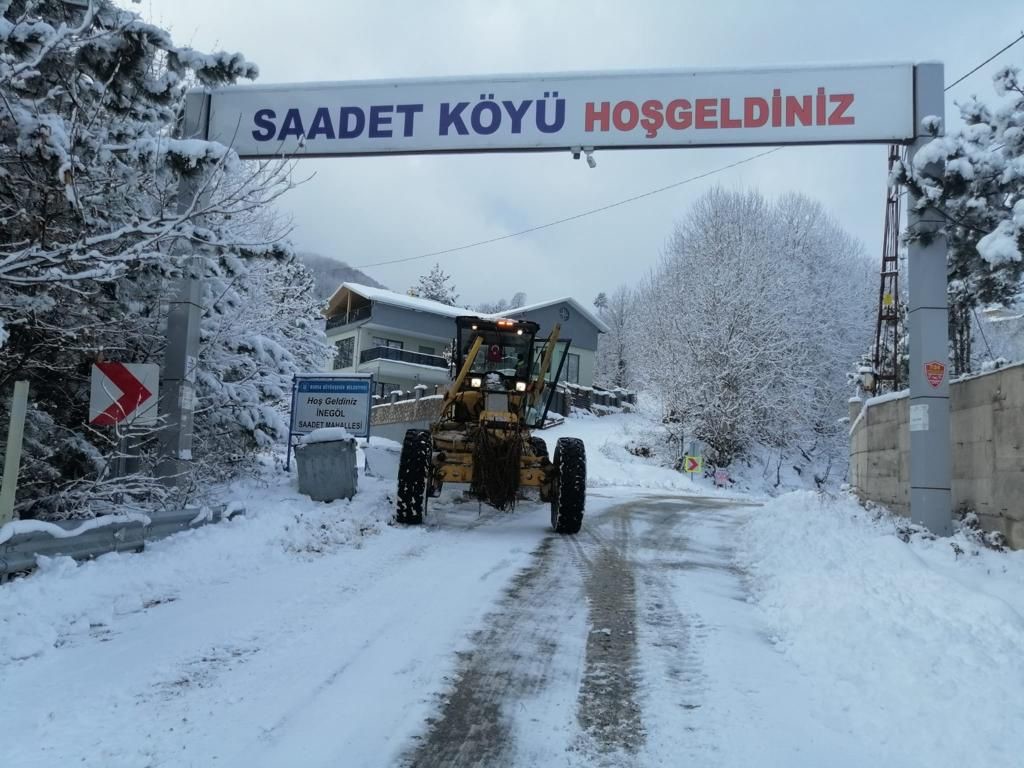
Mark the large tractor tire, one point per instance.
(413, 477)
(569, 494)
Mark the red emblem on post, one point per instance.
(935, 372)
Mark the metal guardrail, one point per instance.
(18, 553)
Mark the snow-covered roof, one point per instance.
(417, 304)
(399, 300)
(594, 319)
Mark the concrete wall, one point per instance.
(987, 425)
(392, 420)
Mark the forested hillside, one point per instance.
(329, 273)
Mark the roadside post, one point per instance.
(12, 456)
(693, 463)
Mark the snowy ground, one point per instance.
(610, 465)
(680, 627)
(918, 646)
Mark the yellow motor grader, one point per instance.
(483, 436)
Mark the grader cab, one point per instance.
(484, 434)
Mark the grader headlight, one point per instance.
(476, 382)
(520, 386)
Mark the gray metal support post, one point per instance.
(12, 453)
(931, 502)
(184, 313)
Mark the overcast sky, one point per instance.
(366, 210)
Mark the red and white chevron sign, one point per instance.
(124, 393)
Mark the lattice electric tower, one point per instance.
(887, 332)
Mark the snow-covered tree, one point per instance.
(260, 326)
(503, 305)
(747, 327)
(981, 195)
(611, 368)
(92, 239)
(436, 285)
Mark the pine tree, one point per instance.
(980, 193)
(436, 286)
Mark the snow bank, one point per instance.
(922, 644)
(64, 601)
(384, 443)
(610, 464)
(380, 458)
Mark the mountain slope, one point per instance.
(330, 273)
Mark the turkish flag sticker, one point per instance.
(935, 372)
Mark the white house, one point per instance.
(403, 340)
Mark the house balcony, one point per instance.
(348, 318)
(402, 356)
(404, 370)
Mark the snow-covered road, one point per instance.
(480, 640)
(673, 630)
(631, 644)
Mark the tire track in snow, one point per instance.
(510, 660)
(673, 630)
(607, 709)
(621, 561)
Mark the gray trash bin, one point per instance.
(327, 468)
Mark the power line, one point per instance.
(986, 61)
(983, 336)
(642, 195)
(576, 216)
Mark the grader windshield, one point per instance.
(506, 348)
(510, 359)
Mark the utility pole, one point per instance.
(931, 500)
(177, 399)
